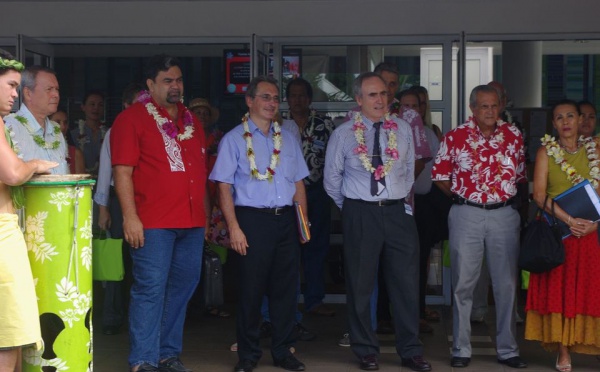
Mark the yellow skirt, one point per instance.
(580, 334)
(19, 318)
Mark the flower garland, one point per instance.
(17, 194)
(474, 140)
(277, 141)
(391, 151)
(39, 140)
(166, 124)
(6, 63)
(554, 150)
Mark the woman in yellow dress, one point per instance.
(563, 306)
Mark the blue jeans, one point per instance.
(166, 271)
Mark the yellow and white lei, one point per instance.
(554, 150)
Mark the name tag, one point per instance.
(408, 209)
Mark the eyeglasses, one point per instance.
(268, 98)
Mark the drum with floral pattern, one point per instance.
(58, 233)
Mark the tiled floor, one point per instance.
(207, 341)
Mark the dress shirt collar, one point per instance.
(368, 123)
(31, 120)
(254, 128)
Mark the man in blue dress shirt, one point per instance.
(259, 172)
(369, 181)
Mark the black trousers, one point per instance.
(269, 268)
(371, 231)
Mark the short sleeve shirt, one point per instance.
(233, 167)
(481, 170)
(169, 175)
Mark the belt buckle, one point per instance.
(278, 211)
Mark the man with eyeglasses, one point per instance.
(369, 172)
(260, 174)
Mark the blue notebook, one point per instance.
(579, 201)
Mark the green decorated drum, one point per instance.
(58, 233)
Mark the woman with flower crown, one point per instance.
(20, 326)
(563, 306)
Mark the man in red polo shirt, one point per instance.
(158, 155)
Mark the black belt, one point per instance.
(380, 203)
(276, 211)
(460, 201)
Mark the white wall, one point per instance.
(222, 18)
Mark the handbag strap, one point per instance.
(551, 214)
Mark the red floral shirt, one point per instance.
(482, 171)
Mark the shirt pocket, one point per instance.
(288, 165)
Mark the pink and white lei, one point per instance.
(391, 150)
(166, 124)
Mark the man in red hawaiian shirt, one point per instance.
(480, 164)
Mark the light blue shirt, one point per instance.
(105, 178)
(345, 176)
(28, 149)
(232, 167)
(289, 124)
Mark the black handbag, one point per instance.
(212, 279)
(542, 247)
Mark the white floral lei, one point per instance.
(554, 150)
(277, 141)
(391, 151)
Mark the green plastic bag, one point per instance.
(446, 253)
(218, 249)
(524, 279)
(107, 259)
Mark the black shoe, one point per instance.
(303, 333)
(145, 367)
(290, 363)
(172, 364)
(369, 363)
(416, 363)
(244, 366)
(514, 362)
(111, 330)
(266, 330)
(460, 362)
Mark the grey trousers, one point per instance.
(474, 234)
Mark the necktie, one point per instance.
(376, 161)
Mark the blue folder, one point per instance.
(580, 201)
